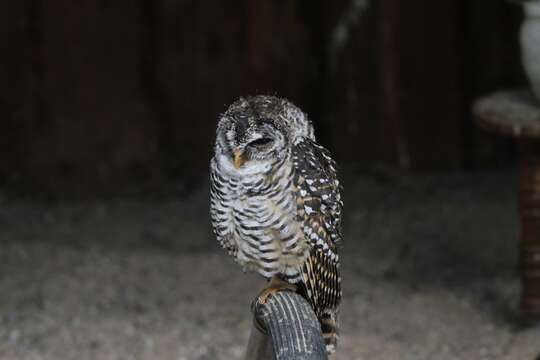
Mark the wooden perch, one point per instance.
(285, 328)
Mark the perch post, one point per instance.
(517, 113)
(530, 225)
(285, 328)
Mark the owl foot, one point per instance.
(276, 285)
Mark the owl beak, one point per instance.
(239, 158)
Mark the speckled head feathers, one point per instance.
(262, 125)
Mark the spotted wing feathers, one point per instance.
(318, 194)
(319, 209)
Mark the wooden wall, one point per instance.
(97, 95)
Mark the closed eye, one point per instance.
(260, 141)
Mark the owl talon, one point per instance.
(276, 285)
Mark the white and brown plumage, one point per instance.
(275, 202)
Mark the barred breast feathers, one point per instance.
(254, 216)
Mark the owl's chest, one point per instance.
(256, 215)
(259, 204)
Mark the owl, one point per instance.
(275, 203)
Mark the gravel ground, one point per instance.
(429, 270)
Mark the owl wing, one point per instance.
(319, 210)
(318, 194)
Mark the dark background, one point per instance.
(97, 97)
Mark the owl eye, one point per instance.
(261, 141)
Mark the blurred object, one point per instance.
(492, 62)
(530, 44)
(396, 87)
(285, 328)
(515, 113)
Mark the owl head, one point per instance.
(260, 128)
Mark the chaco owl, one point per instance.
(276, 203)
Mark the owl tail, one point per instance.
(329, 327)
